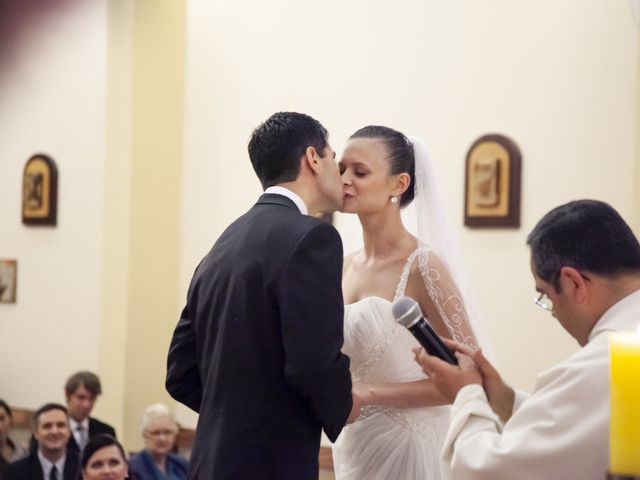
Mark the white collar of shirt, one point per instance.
(605, 321)
(47, 465)
(291, 196)
(74, 428)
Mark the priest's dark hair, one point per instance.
(588, 235)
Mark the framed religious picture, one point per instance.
(492, 183)
(8, 280)
(40, 191)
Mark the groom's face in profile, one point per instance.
(329, 181)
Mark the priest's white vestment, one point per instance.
(558, 432)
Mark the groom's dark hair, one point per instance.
(277, 145)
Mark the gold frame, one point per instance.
(492, 183)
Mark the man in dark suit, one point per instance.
(81, 391)
(257, 349)
(50, 461)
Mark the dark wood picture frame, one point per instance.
(492, 183)
(40, 191)
(8, 280)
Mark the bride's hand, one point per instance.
(357, 405)
(364, 393)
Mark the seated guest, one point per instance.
(156, 462)
(585, 262)
(81, 391)
(9, 450)
(103, 458)
(50, 460)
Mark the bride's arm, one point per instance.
(419, 393)
(440, 300)
(442, 303)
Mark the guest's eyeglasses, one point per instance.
(544, 302)
(160, 433)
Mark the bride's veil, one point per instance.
(433, 228)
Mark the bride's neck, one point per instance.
(383, 235)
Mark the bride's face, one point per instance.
(368, 186)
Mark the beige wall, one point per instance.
(147, 108)
(117, 215)
(98, 86)
(52, 100)
(143, 191)
(560, 78)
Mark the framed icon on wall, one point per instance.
(8, 280)
(40, 191)
(492, 183)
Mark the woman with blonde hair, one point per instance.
(156, 461)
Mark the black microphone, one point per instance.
(407, 313)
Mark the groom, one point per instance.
(257, 349)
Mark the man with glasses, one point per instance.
(585, 262)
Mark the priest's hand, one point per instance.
(501, 396)
(449, 379)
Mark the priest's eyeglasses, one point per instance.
(544, 302)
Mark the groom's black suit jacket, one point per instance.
(257, 349)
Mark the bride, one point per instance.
(400, 431)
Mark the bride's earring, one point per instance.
(394, 199)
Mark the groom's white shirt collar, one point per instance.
(291, 196)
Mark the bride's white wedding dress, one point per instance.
(386, 442)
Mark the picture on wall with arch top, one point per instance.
(40, 191)
(492, 183)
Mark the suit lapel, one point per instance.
(72, 445)
(92, 427)
(35, 468)
(70, 466)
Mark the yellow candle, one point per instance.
(624, 432)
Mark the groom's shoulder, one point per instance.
(303, 229)
(309, 223)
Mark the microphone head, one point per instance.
(406, 311)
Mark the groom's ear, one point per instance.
(311, 159)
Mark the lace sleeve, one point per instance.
(446, 297)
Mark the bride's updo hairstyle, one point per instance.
(401, 158)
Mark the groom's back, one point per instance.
(253, 421)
